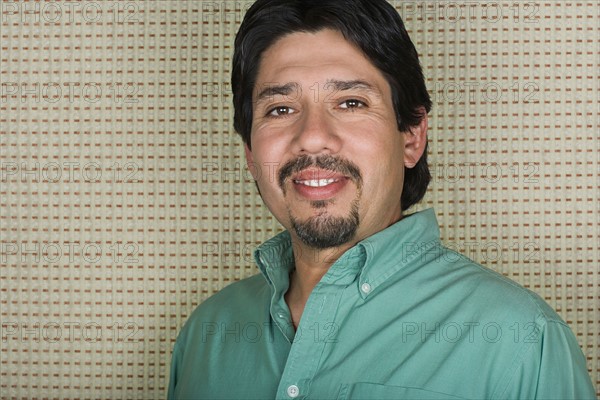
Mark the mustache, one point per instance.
(325, 162)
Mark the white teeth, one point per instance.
(317, 182)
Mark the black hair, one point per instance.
(374, 26)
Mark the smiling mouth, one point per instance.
(318, 178)
(318, 184)
(315, 182)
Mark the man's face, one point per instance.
(326, 151)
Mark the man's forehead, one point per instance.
(323, 49)
(315, 61)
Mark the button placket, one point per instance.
(304, 357)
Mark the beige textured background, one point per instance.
(124, 202)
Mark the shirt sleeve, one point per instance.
(552, 367)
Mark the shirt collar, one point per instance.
(275, 259)
(398, 246)
(373, 259)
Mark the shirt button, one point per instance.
(365, 288)
(293, 391)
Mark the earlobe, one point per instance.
(415, 141)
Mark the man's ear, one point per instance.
(250, 161)
(415, 141)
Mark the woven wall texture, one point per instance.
(124, 201)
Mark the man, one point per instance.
(356, 299)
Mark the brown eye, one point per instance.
(351, 104)
(280, 111)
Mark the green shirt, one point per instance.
(397, 316)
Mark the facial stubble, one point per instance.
(324, 230)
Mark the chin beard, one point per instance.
(325, 231)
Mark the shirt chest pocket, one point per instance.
(372, 391)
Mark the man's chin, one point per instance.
(326, 231)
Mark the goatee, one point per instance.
(325, 231)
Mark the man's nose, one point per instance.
(317, 133)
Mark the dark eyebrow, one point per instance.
(338, 85)
(276, 90)
(273, 89)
